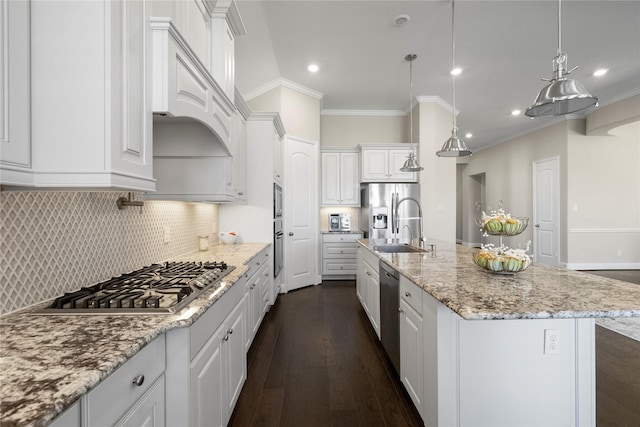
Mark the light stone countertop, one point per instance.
(47, 362)
(539, 292)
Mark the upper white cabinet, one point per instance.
(340, 178)
(382, 163)
(15, 138)
(90, 95)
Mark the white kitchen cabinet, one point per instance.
(278, 157)
(69, 418)
(382, 163)
(218, 372)
(257, 283)
(15, 136)
(134, 394)
(206, 363)
(340, 178)
(339, 255)
(411, 341)
(90, 112)
(368, 286)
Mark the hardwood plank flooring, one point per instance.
(315, 362)
(617, 369)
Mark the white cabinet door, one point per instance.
(278, 157)
(234, 357)
(397, 157)
(207, 385)
(411, 353)
(340, 179)
(15, 138)
(374, 299)
(102, 138)
(375, 165)
(149, 410)
(331, 183)
(383, 165)
(349, 179)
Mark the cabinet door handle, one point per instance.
(230, 331)
(290, 233)
(226, 337)
(400, 310)
(407, 294)
(387, 274)
(138, 380)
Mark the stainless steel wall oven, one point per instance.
(277, 246)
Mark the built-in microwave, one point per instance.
(277, 201)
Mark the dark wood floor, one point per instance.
(617, 369)
(315, 362)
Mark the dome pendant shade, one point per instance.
(411, 164)
(454, 146)
(562, 96)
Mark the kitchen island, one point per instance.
(494, 350)
(48, 362)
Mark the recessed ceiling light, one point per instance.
(456, 71)
(468, 135)
(600, 72)
(401, 19)
(516, 112)
(313, 68)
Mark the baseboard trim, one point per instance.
(603, 265)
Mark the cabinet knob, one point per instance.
(400, 310)
(226, 337)
(407, 294)
(291, 233)
(138, 380)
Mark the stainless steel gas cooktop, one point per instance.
(158, 288)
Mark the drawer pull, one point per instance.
(407, 294)
(138, 380)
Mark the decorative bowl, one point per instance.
(502, 226)
(501, 262)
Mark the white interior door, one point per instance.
(300, 194)
(546, 238)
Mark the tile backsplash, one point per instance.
(56, 242)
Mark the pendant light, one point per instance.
(411, 164)
(454, 146)
(561, 95)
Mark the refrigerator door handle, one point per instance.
(393, 213)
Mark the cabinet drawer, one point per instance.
(119, 388)
(341, 237)
(411, 293)
(339, 267)
(339, 250)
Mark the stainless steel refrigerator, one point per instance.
(380, 202)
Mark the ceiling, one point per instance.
(503, 47)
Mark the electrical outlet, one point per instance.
(551, 341)
(166, 235)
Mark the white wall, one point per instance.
(603, 200)
(351, 130)
(508, 170)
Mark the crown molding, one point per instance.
(373, 113)
(280, 82)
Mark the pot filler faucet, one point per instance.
(396, 226)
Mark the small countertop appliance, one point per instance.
(340, 222)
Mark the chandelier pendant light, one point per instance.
(411, 164)
(562, 95)
(454, 146)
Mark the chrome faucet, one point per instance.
(422, 239)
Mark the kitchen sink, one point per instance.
(394, 248)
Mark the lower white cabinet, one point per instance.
(134, 395)
(368, 286)
(339, 254)
(206, 363)
(217, 373)
(258, 287)
(411, 341)
(69, 418)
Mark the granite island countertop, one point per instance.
(47, 362)
(540, 292)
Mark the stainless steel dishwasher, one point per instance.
(389, 316)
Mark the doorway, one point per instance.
(546, 215)
(475, 206)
